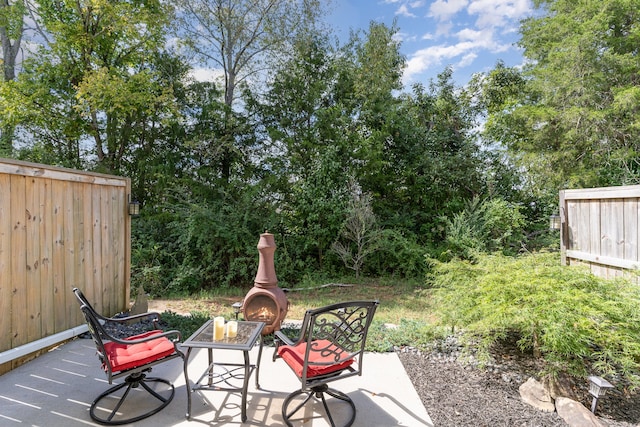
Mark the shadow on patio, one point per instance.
(57, 389)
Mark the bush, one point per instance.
(484, 226)
(564, 315)
(187, 325)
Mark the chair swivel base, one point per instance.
(132, 381)
(319, 393)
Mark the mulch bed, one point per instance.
(457, 393)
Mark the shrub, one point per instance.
(187, 325)
(484, 226)
(564, 315)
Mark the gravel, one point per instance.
(456, 392)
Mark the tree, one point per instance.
(93, 87)
(572, 118)
(11, 30)
(429, 162)
(360, 234)
(239, 38)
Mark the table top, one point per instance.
(248, 333)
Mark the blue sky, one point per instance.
(469, 35)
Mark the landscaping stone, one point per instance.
(141, 304)
(575, 414)
(534, 393)
(559, 386)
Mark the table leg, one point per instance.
(258, 365)
(187, 383)
(210, 350)
(245, 385)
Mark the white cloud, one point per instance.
(471, 43)
(469, 34)
(444, 9)
(444, 28)
(466, 31)
(403, 10)
(498, 13)
(467, 60)
(404, 37)
(206, 74)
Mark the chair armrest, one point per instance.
(175, 334)
(136, 317)
(280, 339)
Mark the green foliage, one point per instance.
(409, 333)
(187, 325)
(564, 314)
(570, 118)
(484, 226)
(108, 97)
(397, 256)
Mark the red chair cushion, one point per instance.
(294, 356)
(122, 357)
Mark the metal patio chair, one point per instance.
(132, 358)
(330, 348)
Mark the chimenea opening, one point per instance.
(262, 308)
(266, 302)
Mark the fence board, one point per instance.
(5, 262)
(58, 189)
(87, 244)
(630, 236)
(18, 261)
(46, 253)
(108, 295)
(59, 228)
(32, 317)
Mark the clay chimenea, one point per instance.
(266, 302)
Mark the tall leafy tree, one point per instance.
(571, 118)
(307, 141)
(238, 38)
(434, 164)
(88, 94)
(11, 31)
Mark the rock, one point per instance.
(559, 386)
(534, 393)
(575, 414)
(140, 305)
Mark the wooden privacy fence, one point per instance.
(59, 229)
(599, 228)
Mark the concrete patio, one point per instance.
(57, 389)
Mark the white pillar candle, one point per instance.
(218, 328)
(232, 329)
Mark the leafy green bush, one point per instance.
(397, 256)
(484, 226)
(187, 325)
(563, 314)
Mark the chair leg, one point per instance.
(319, 393)
(131, 382)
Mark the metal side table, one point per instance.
(219, 379)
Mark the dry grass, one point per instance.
(398, 301)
